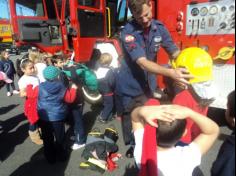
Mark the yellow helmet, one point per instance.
(198, 62)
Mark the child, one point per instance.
(59, 62)
(29, 83)
(75, 109)
(163, 136)
(52, 110)
(7, 66)
(3, 80)
(225, 162)
(106, 80)
(39, 64)
(200, 93)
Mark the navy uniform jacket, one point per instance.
(132, 80)
(225, 162)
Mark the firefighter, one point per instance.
(142, 39)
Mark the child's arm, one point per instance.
(70, 94)
(210, 132)
(149, 114)
(22, 93)
(209, 129)
(14, 69)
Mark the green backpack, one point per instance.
(81, 74)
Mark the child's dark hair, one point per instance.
(231, 104)
(203, 103)
(57, 58)
(168, 134)
(25, 62)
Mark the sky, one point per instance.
(21, 10)
(123, 8)
(4, 9)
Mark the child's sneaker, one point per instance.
(16, 92)
(76, 146)
(101, 120)
(72, 138)
(8, 94)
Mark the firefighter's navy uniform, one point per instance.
(134, 82)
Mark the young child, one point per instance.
(200, 93)
(160, 128)
(59, 62)
(39, 64)
(28, 84)
(225, 162)
(106, 80)
(75, 109)
(3, 80)
(52, 109)
(7, 66)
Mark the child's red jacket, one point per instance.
(31, 102)
(186, 99)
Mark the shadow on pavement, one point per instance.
(91, 117)
(131, 171)
(12, 138)
(38, 166)
(5, 110)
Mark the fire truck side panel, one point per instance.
(189, 29)
(209, 25)
(36, 25)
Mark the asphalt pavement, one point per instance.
(20, 157)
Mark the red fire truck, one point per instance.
(5, 27)
(83, 26)
(5, 33)
(6, 41)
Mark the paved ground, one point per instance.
(20, 157)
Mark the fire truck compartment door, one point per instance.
(91, 24)
(36, 22)
(39, 31)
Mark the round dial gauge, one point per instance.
(232, 8)
(195, 12)
(213, 10)
(204, 11)
(223, 9)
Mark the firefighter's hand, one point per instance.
(181, 75)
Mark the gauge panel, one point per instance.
(195, 12)
(213, 10)
(211, 18)
(204, 11)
